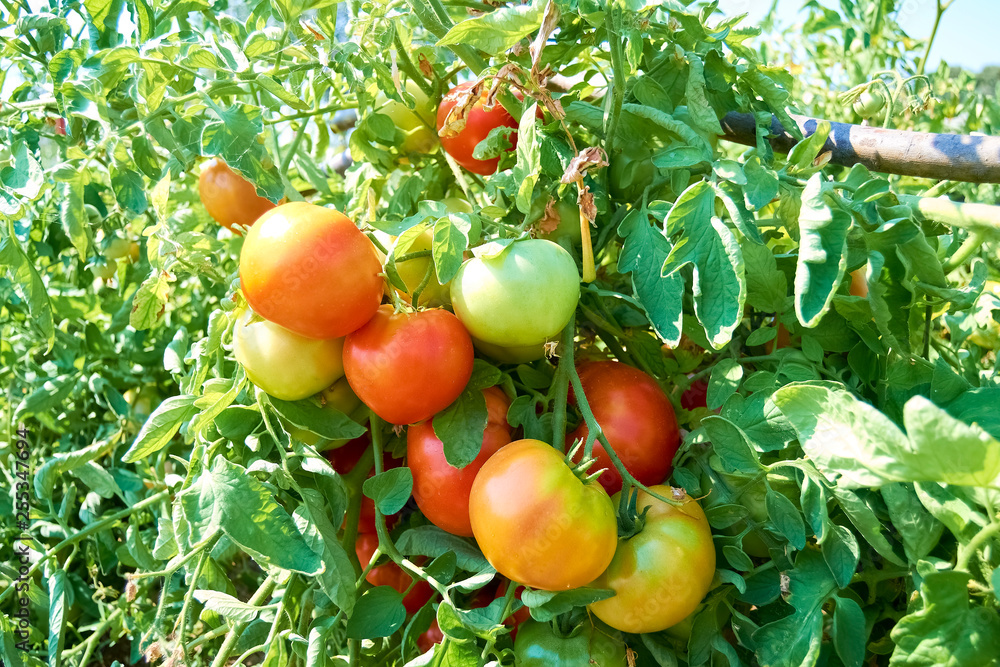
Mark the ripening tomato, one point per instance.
(441, 490)
(538, 523)
(412, 272)
(430, 637)
(662, 573)
(637, 419)
(510, 355)
(478, 123)
(416, 125)
(284, 364)
(309, 269)
(519, 298)
(407, 367)
(859, 282)
(392, 575)
(228, 197)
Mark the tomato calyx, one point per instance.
(630, 520)
(581, 468)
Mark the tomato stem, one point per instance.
(560, 386)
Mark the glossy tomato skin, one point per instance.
(228, 197)
(538, 645)
(309, 269)
(284, 364)
(430, 637)
(537, 523)
(407, 367)
(561, 220)
(390, 574)
(510, 355)
(442, 491)
(520, 298)
(637, 419)
(661, 574)
(478, 123)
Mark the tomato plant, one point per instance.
(537, 522)
(310, 270)
(408, 366)
(440, 489)
(555, 219)
(282, 363)
(520, 297)
(660, 574)
(229, 198)
(637, 419)
(478, 122)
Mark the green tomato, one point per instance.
(870, 103)
(630, 172)
(521, 297)
(284, 364)
(510, 355)
(564, 221)
(417, 125)
(104, 268)
(539, 645)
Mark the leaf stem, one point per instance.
(560, 386)
(966, 552)
(617, 81)
(263, 593)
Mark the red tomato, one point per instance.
(407, 367)
(392, 575)
(661, 574)
(478, 123)
(637, 419)
(695, 396)
(310, 270)
(442, 491)
(343, 459)
(537, 522)
(430, 637)
(228, 197)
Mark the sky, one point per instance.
(967, 36)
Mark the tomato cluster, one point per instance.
(322, 323)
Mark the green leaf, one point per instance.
(149, 301)
(130, 191)
(918, 528)
(326, 422)
(978, 406)
(804, 153)
(723, 382)
(390, 489)
(498, 30)
(708, 244)
(227, 606)
(733, 198)
(849, 631)
(546, 605)
(529, 164)
(822, 253)
(452, 236)
(378, 613)
(460, 428)
(795, 641)
(248, 513)
(496, 143)
(841, 553)
(945, 631)
(787, 518)
(643, 255)
(730, 443)
(22, 272)
(160, 428)
(432, 541)
(700, 110)
(279, 91)
(57, 585)
(762, 183)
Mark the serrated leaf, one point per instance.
(498, 30)
(161, 426)
(822, 256)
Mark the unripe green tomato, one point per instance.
(105, 268)
(566, 222)
(412, 272)
(284, 364)
(117, 248)
(522, 297)
(417, 125)
(870, 103)
(510, 355)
